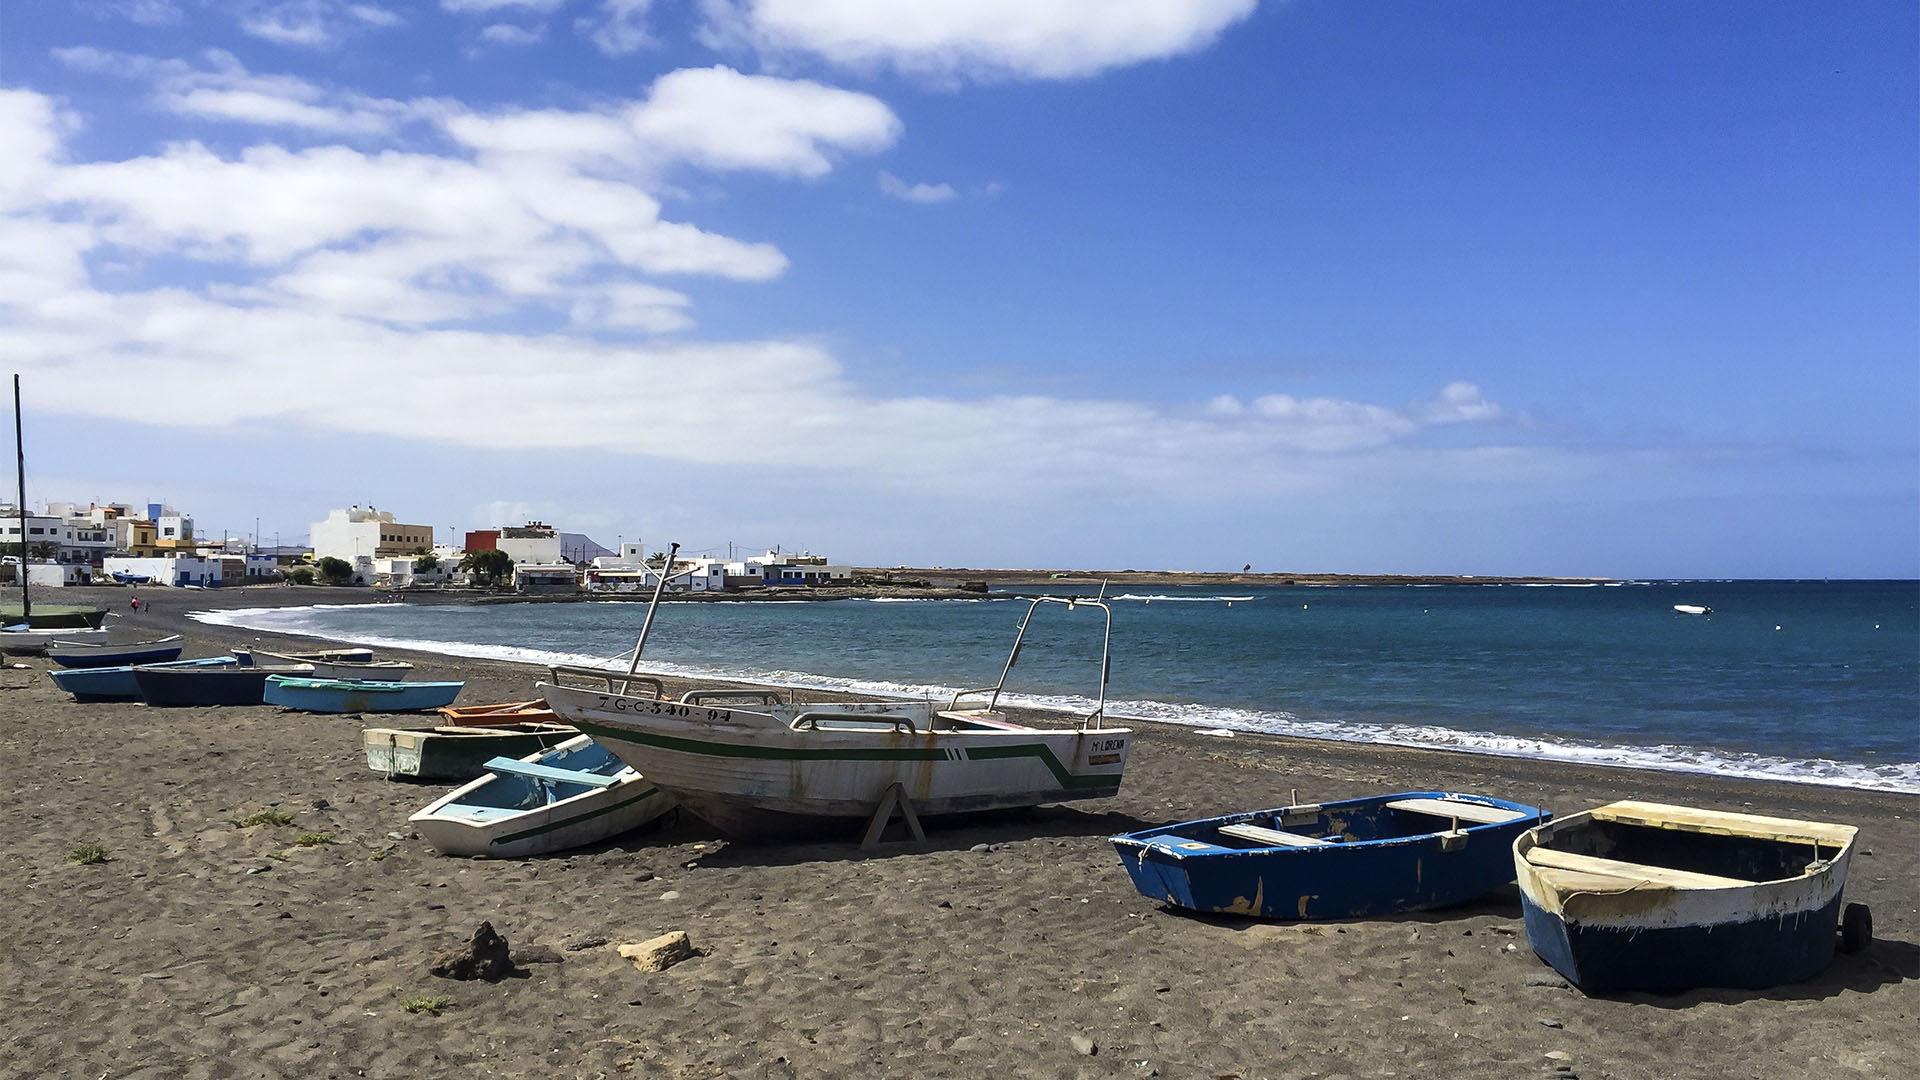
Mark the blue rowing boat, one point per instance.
(198, 687)
(118, 683)
(1340, 860)
(358, 695)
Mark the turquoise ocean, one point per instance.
(1809, 681)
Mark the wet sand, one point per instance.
(204, 949)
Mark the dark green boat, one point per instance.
(56, 616)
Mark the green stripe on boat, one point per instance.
(574, 820)
(1040, 751)
(1045, 754)
(775, 753)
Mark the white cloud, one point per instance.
(374, 16)
(720, 119)
(915, 193)
(488, 7)
(402, 270)
(632, 306)
(225, 90)
(1459, 402)
(620, 27)
(509, 34)
(312, 24)
(1058, 39)
(142, 12)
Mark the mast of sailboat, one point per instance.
(20, 459)
(647, 626)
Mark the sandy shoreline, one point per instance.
(202, 949)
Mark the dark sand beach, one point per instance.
(201, 948)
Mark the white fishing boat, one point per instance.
(771, 770)
(1692, 609)
(554, 800)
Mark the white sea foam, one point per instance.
(1899, 776)
(1149, 598)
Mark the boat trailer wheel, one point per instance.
(1856, 928)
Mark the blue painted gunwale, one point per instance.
(356, 695)
(1390, 861)
(118, 683)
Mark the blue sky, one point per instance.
(1486, 288)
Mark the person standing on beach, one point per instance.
(136, 603)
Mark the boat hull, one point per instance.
(1386, 861)
(310, 694)
(1645, 924)
(118, 683)
(510, 817)
(56, 617)
(352, 655)
(455, 753)
(175, 687)
(754, 777)
(37, 641)
(86, 656)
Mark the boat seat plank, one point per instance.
(514, 767)
(1659, 875)
(1271, 837)
(1477, 813)
(1724, 823)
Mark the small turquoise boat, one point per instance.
(119, 683)
(358, 695)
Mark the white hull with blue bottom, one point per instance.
(1645, 896)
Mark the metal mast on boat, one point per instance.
(647, 626)
(20, 459)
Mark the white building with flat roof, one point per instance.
(354, 535)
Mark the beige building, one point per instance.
(355, 534)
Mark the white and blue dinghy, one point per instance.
(567, 797)
(1647, 896)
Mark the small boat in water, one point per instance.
(169, 685)
(574, 794)
(71, 654)
(309, 693)
(1646, 896)
(1692, 609)
(456, 752)
(1356, 858)
(118, 683)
